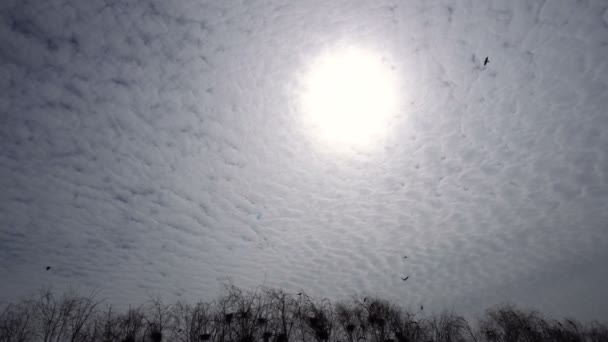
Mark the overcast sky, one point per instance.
(159, 147)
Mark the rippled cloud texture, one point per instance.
(154, 147)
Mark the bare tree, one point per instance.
(82, 312)
(63, 319)
(272, 315)
(131, 325)
(507, 323)
(448, 327)
(158, 318)
(347, 322)
(378, 314)
(109, 330)
(191, 323)
(596, 332)
(403, 326)
(318, 318)
(281, 313)
(16, 322)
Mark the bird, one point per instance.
(365, 299)
(406, 278)
(48, 268)
(299, 294)
(421, 307)
(405, 257)
(486, 61)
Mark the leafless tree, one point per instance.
(63, 319)
(347, 322)
(282, 313)
(273, 315)
(131, 325)
(158, 318)
(378, 314)
(448, 327)
(17, 322)
(317, 319)
(596, 332)
(191, 323)
(404, 326)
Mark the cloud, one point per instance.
(155, 148)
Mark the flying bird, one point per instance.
(406, 278)
(48, 268)
(486, 61)
(299, 294)
(405, 257)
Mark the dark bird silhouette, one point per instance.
(48, 268)
(406, 278)
(405, 257)
(365, 299)
(421, 307)
(486, 61)
(299, 294)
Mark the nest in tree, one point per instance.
(401, 337)
(156, 336)
(376, 320)
(228, 318)
(281, 338)
(322, 334)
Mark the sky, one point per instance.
(168, 147)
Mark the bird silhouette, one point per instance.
(365, 299)
(421, 307)
(486, 61)
(48, 268)
(406, 278)
(299, 294)
(405, 257)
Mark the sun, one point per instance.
(348, 97)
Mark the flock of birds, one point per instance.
(485, 62)
(365, 299)
(300, 293)
(408, 277)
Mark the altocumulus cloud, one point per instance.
(153, 147)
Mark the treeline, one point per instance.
(272, 315)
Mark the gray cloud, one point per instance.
(155, 147)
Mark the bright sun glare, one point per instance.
(349, 97)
